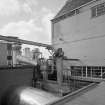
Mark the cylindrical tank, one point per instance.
(27, 96)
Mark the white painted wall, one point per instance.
(78, 27)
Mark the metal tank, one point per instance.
(27, 96)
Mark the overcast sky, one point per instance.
(28, 19)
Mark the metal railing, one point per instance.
(70, 69)
(88, 71)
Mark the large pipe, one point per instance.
(26, 60)
(27, 96)
(10, 39)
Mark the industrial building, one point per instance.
(8, 53)
(5, 54)
(75, 73)
(78, 29)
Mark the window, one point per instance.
(77, 11)
(98, 10)
(69, 14)
(9, 57)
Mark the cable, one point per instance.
(79, 40)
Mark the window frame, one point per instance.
(98, 10)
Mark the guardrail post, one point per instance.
(82, 71)
(91, 72)
(101, 73)
(86, 71)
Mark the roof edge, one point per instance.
(55, 18)
(75, 94)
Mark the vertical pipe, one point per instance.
(59, 66)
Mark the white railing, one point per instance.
(88, 71)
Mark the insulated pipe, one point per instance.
(10, 39)
(23, 95)
(26, 60)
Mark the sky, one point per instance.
(28, 19)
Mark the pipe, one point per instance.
(22, 95)
(26, 60)
(10, 39)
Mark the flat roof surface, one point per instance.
(95, 96)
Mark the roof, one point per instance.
(71, 5)
(95, 96)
